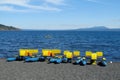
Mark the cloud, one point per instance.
(15, 2)
(10, 8)
(10, 5)
(56, 2)
(93, 0)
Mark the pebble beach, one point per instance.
(19, 70)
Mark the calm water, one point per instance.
(108, 42)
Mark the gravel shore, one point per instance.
(18, 70)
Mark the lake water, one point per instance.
(108, 42)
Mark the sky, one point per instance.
(60, 14)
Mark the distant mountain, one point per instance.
(4, 27)
(98, 28)
(116, 29)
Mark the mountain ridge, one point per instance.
(98, 28)
(7, 28)
(94, 28)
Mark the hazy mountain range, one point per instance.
(98, 28)
(95, 28)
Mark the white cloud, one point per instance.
(56, 2)
(15, 2)
(10, 8)
(5, 5)
(6, 8)
(93, 0)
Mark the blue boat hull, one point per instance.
(31, 59)
(11, 59)
(83, 62)
(57, 61)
